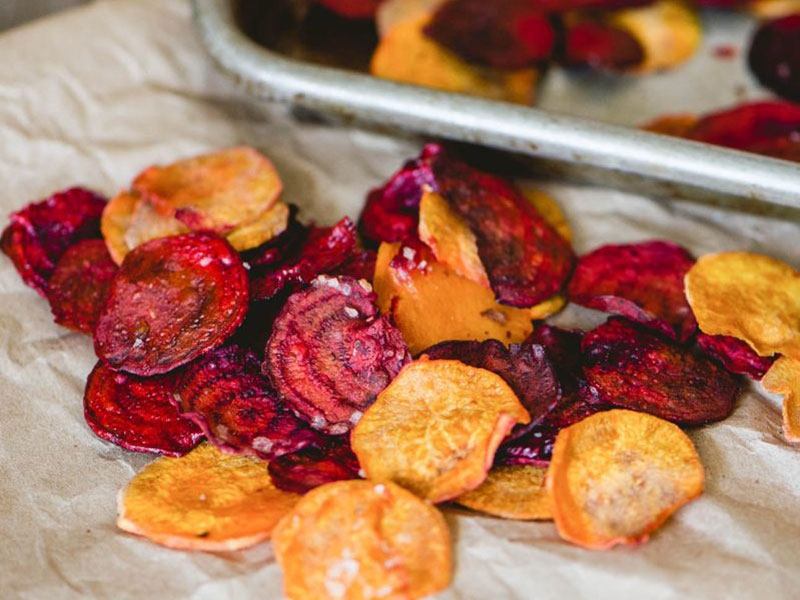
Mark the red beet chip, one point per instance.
(631, 367)
(325, 249)
(563, 350)
(749, 126)
(80, 284)
(225, 393)
(774, 56)
(352, 9)
(360, 266)
(735, 355)
(523, 367)
(314, 466)
(643, 282)
(136, 413)
(600, 46)
(512, 33)
(173, 299)
(331, 353)
(40, 233)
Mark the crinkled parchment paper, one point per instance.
(93, 96)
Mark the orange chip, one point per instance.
(749, 296)
(216, 192)
(148, 224)
(269, 224)
(205, 500)
(115, 221)
(436, 427)
(361, 540)
(550, 211)
(407, 55)
(773, 9)
(547, 307)
(515, 492)
(676, 125)
(616, 476)
(783, 377)
(423, 307)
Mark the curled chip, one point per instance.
(643, 282)
(173, 299)
(516, 492)
(136, 413)
(225, 393)
(436, 428)
(39, 234)
(407, 55)
(361, 539)
(205, 500)
(631, 367)
(523, 367)
(418, 292)
(331, 353)
(314, 466)
(80, 284)
(735, 355)
(616, 476)
(214, 192)
(784, 378)
(748, 296)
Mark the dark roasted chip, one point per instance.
(314, 466)
(631, 367)
(137, 413)
(749, 126)
(173, 299)
(331, 353)
(79, 286)
(774, 56)
(352, 9)
(360, 266)
(600, 45)
(563, 350)
(736, 355)
(643, 282)
(40, 233)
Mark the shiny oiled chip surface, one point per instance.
(749, 296)
(616, 476)
(361, 540)
(784, 378)
(436, 428)
(206, 500)
(515, 492)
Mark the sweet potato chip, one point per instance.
(79, 286)
(173, 299)
(137, 413)
(748, 296)
(146, 224)
(392, 12)
(418, 292)
(516, 492)
(215, 192)
(784, 378)
(735, 355)
(266, 226)
(407, 55)
(616, 476)
(631, 367)
(314, 466)
(642, 281)
(205, 500)
(115, 221)
(365, 540)
(331, 353)
(675, 125)
(436, 428)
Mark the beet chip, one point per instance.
(314, 466)
(225, 393)
(643, 282)
(40, 233)
(331, 353)
(324, 249)
(80, 285)
(173, 299)
(631, 367)
(600, 45)
(137, 414)
(736, 355)
(774, 56)
(522, 366)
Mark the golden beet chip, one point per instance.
(205, 500)
(407, 55)
(515, 492)
(429, 303)
(266, 226)
(616, 476)
(784, 378)
(216, 192)
(115, 222)
(363, 540)
(748, 296)
(435, 428)
(675, 125)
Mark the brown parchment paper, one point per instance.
(93, 96)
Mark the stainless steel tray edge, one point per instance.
(678, 167)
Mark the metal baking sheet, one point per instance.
(569, 145)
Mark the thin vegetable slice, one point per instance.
(516, 492)
(314, 466)
(784, 378)
(735, 355)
